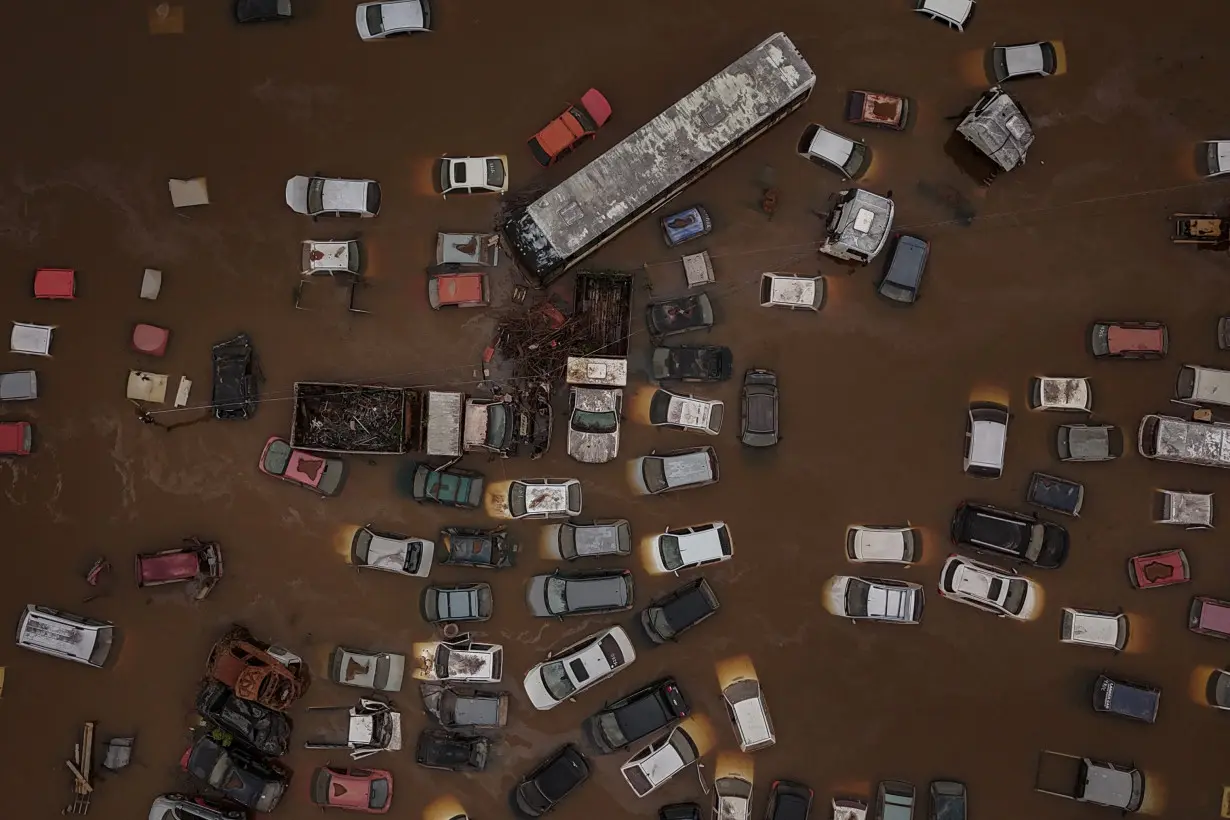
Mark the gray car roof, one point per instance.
(687, 468)
(592, 593)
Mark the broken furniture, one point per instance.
(55, 283)
(1191, 510)
(81, 767)
(151, 284)
(151, 387)
(34, 340)
(150, 339)
(698, 269)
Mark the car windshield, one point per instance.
(495, 173)
(316, 195)
(672, 559)
(584, 421)
(608, 725)
(568, 541)
(277, 458)
(555, 679)
(516, 498)
(557, 597)
(582, 116)
(375, 19)
(1014, 601)
(378, 797)
(497, 424)
(414, 554)
(653, 471)
(857, 153)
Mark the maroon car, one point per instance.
(877, 109)
(197, 562)
(1209, 616)
(1159, 569)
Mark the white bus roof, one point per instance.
(664, 151)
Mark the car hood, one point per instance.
(593, 448)
(296, 194)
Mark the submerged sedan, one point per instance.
(311, 471)
(578, 667)
(875, 599)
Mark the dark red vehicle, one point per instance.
(1209, 616)
(878, 110)
(272, 676)
(565, 132)
(1129, 340)
(196, 562)
(1159, 569)
(16, 438)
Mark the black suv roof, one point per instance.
(561, 773)
(650, 709)
(687, 605)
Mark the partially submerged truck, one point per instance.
(366, 729)
(362, 419)
(1085, 780)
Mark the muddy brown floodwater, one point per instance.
(101, 113)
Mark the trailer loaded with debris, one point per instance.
(353, 418)
(366, 729)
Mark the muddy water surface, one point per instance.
(873, 397)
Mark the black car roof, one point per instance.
(646, 714)
(686, 605)
(561, 774)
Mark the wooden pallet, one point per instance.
(80, 766)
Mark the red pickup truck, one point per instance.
(565, 132)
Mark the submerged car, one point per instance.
(577, 124)
(327, 196)
(1217, 690)
(658, 762)
(458, 290)
(473, 175)
(887, 545)
(749, 714)
(579, 593)
(1129, 340)
(668, 617)
(1159, 569)
(877, 109)
(578, 667)
(452, 752)
(848, 157)
(237, 774)
(262, 11)
(543, 498)
(792, 291)
(759, 418)
(376, 21)
(732, 797)
(1133, 701)
(683, 412)
(953, 13)
(691, 547)
(183, 807)
(674, 470)
(986, 439)
(691, 223)
(593, 424)
(16, 438)
(948, 800)
(1093, 627)
(572, 540)
(262, 729)
(461, 659)
(465, 708)
(549, 782)
(196, 562)
(875, 599)
(448, 486)
(270, 675)
(1017, 536)
(460, 602)
(1089, 442)
(367, 669)
(903, 272)
(704, 363)
(1064, 394)
(391, 552)
(1023, 60)
(365, 790)
(682, 314)
(468, 547)
(647, 711)
(312, 471)
(987, 587)
(791, 801)
(235, 382)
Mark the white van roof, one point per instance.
(607, 371)
(1093, 628)
(987, 441)
(45, 631)
(1210, 385)
(750, 715)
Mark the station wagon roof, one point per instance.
(883, 544)
(1065, 392)
(1023, 59)
(687, 468)
(896, 603)
(788, 289)
(543, 498)
(590, 593)
(1129, 699)
(1100, 628)
(44, 631)
(595, 539)
(1120, 338)
(987, 441)
(687, 134)
(343, 194)
(687, 411)
(1000, 129)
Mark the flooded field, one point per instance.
(873, 397)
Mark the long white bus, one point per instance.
(566, 224)
(1167, 438)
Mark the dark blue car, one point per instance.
(686, 225)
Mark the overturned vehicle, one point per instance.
(366, 729)
(998, 127)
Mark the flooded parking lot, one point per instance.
(873, 396)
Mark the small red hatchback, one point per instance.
(1129, 340)
(365, 790)
(1159, 569)
(16, 438)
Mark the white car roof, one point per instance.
(344, 195)
(690, 412)
(790, 289)
(662, 764)
(700, 546)
(593, 660)
(750, 717)
(832, 147)
(388, 553)
(473, 663)
(879, 544)
(1065, 392)
(1223, 155)
(1099, 628)
(975, 581)
(1023, 59)
(402, 14)
(547, 498)
(896, 603)
(958, 11)
(987, 441)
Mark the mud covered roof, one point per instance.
(998, 127)
(592, 202)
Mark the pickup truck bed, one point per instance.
(603, 302)
(351, 418)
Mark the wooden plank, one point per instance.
(81, 781)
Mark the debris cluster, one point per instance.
(349, 417)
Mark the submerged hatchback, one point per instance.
(903, 272)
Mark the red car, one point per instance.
(16, 438)
(1129, 340)
(366, 790)
(877, 109)
(458, 290)
(565, 132)
(1159, 569)
(197, 562)
(315, 472)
